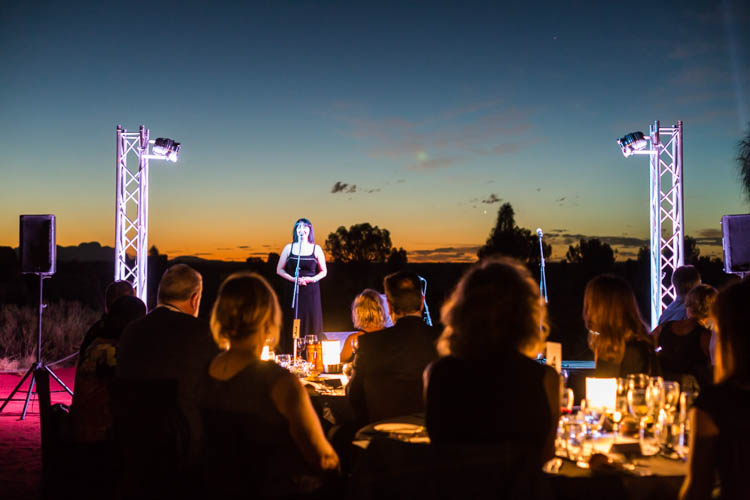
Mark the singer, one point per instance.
(312, 269)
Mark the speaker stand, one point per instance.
(40, 364)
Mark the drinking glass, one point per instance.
(621, 406)
(284, 360)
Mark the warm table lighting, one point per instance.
(601, 392)
(331, 355)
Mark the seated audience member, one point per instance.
(685, 343)
(262, 433)
(720, 428)
(490, 389)
(172, 344)
(90, 413)
(387, 370)
(684, 279)
(617, 333)
(113, 292)
(368, 315)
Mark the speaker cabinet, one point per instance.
(37, 244)
(735, 232)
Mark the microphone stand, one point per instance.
(543, 274)
(295, 303)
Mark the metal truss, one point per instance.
(666, 213)
(131, 218)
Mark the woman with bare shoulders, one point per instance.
(302, 252)
(618, 336)
(262, 433)
(368, 315)
(685, 344)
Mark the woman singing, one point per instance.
(312, 268)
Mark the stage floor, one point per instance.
(20, 440)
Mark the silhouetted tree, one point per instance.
(359, 243)
(254, 260)
(592, 254)
(153, 251)
(692, 252)
(273, 258)
(743, 162)
(508, 239)
(397, 258)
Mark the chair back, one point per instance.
(393, 470)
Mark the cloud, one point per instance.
(709, 237)
(243, 246)
(471, 128)
(433, 164)
(343, 187)
(492, 198)
(444, 254)
(370, 191)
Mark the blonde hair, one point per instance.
(368, 312)
(699, 300)
(495, 308)
(611, 314)
(246, 308)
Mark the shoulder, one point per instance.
(318, 250)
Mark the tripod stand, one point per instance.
(39, 364)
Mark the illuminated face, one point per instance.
(303, 232)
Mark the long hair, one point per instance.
(495, 309)
(611, 314)
(246, 307)
(310, 238)
(732, 315)
(368, 312)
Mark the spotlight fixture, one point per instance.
(168, 148)
(631, 143)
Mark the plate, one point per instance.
(399, 428)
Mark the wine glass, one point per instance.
(621, 406)
(639, 400)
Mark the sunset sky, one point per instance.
(418, 117)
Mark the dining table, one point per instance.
(609, 476)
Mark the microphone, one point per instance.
(539, 232)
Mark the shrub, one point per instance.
(64, 324)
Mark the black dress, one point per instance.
(683, 354)
(639, 357)
(500, 401)
(310, 310)
(249, 450)
(728, 405)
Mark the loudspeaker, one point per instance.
(735, 232)
(37, 244)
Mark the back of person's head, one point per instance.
(404, 292)
(732, 316)
(494, 309)
(684, 279)
(179, 283)
(699, 300)
(246, 309)
(368, 312)
(123, 311)
(611, 314)
(115, 291)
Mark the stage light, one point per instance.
(632, 142)
(166, 148)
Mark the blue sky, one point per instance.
(436, 111)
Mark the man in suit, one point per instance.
(172, 344)
(387, 370)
